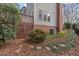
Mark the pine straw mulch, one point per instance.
(21, 47)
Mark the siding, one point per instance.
(49, 7)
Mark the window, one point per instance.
(40, 14)
(48, 17)
(44, 15)
(32, 13)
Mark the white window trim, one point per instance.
(43, 12)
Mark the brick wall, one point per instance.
(26, 25)
(21, 30)
(59, 17)
(43, 27)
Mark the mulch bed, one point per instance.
(21, 47)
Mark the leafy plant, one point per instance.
(76, 28)
(37, 35)
(57, 35)
(57, 47)
(67, 25)
(9, 17)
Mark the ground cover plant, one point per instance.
(69, 43)
(61, 34)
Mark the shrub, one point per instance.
(77, 25)
(37, 35)
(76, 28)
(67, 25)
(62, 34)
(9, 16)
(71, 36)
(57, 35)
(74, 25)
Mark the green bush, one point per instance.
(37, 36)
(9, 17)
(67, 25)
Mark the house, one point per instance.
(44, 16)
(47, 16)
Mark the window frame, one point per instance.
(42, 15)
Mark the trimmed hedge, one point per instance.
(9, 17)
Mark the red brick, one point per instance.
(43, 27)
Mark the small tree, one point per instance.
(71, 13)
(9, 17)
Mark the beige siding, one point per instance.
(49, 7)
